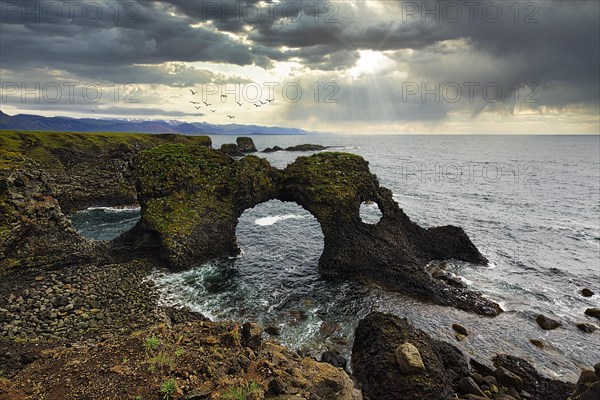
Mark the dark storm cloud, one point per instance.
(150, 35)
(558, 49)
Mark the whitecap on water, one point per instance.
(113, 209)
(273, 219)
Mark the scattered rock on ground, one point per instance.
(586, 292)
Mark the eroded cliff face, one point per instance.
(45, 175)
(86, 170)
(192, 197)
(34, 232)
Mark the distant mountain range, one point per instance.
(27, 122)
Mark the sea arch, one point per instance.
(191, 198)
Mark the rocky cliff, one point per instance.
(44, 175)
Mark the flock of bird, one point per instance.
(258, 104)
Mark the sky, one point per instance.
(368, 66)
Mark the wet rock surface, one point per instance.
(547, 323)
(446, 374)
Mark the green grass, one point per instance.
(162, 360)
(240, 392)
(168, 389)
(151, 343)
(42, 146)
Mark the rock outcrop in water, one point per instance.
(378, 365)
(192, 197)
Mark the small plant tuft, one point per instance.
(152, 343)
(168, 389)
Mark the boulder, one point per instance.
(273, 149)
(468, 386)
(252, 335)
(538, 387)
(508, 378)
(547, 323)
(333, 358)
(409, 359)
(593, 312)
(583, 387)
(458, 328)
(377, 369)
(587, 328)
(586, 292)
(245, 145)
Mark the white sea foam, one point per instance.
(114, 209)
(273, 219)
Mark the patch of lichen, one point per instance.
(180, 185)
(333, 181)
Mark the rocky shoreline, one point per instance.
(80, 319)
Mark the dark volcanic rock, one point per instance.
(34, 232)
(299, 147)
(593, 312)
(192, 197)
(587, 328)
(536, 385)
(273, 149)
(468, 386)
(376, 368)
(584, 388)
(460, 329)
(306, 147)
(231, 149)
(586, 292)
(547, 323)
(333, 358)
(245, 145)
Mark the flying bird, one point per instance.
(230, 117)
(256, 105)
(270, 100)
(197, 107)
(239, 104)
(261, 102)
(213, 110)
(193, 93)
(224, 95)
(194, 102)
(206, 104)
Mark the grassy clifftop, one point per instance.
(42, 146)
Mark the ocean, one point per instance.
(531, 204)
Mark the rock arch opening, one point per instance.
(279, 232)
(104, 223)
(370, 212)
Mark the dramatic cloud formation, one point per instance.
(387, 66)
